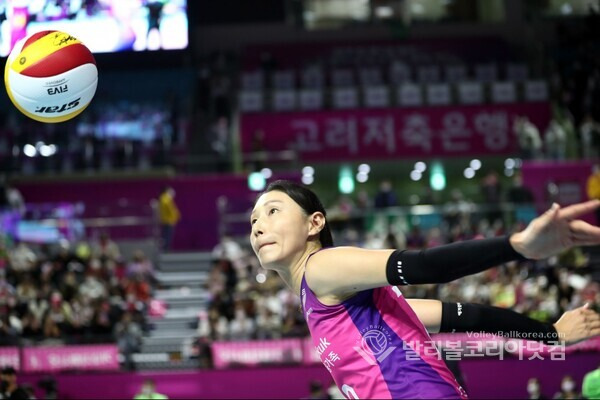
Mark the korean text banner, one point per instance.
(9, 357)
(392, 132)
(97, 357)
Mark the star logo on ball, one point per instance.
(50, 59)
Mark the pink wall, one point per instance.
(485, 378)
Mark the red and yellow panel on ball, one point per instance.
(51, 76)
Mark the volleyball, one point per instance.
(50, 76)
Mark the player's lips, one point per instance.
(264, 244)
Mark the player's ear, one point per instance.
(317, 223)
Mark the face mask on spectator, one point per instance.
(533, 388)
(568, 386)
(147, 390)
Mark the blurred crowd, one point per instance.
(74, 293)
(120, 135)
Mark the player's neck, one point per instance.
(292, 276)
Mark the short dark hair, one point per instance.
(307, 200)
(8, 370)
(315, 386)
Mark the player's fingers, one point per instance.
(579, 209)
(579, 227)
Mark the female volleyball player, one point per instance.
(371, 339)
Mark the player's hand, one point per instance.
(578, 324)
(557, 230)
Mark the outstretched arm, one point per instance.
(341, 271)
(574, 326)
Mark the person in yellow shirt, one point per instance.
(168, 215)
(593, 188)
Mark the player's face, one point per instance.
(279, 230)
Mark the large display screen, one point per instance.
(104, 26)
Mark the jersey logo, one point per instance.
(400, 274)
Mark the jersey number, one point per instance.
(349, 392)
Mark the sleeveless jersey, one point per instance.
(374, 346)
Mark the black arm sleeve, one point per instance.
(469, 317)
(449, 262)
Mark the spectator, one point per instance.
(137, 289)
(9, 389)
(316, 391)
(534, 389)
(241, 327)
(528, 135)
(590, 138)
(221, 142)
(140, 266)
(22, 259)
(415, 239)
(26, 290)
(519, 193)
(14, 199)
(268, 324)
(227, 248)
(218, 325)
(93, 287)
(128, 335)
(385, 197)
(32, 326)
(169, 216)
(106, 250)
(58, 316)
(491, 190)
(334, 392)
(61, 263)
(567, 389)
(102, 326)
(556, 141)
(48, 385)
(458, 209)
(70, 285)
(148, 392)
(10, 328)
(10, 197)
(591, 384)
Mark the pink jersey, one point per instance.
(374, 346)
